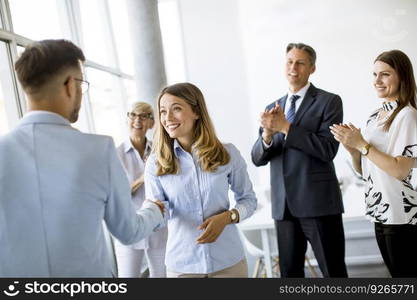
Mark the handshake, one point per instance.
(160, 205)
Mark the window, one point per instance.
(107, 104)
(1, 22)
(129, 87)
(38, 20)
(121, 32)
(8, 104)
(170, 22)
(97, 44)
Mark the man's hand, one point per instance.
(160, 205)
(213, 226)
(273, 121)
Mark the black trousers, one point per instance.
(398, 246)
(327, 239)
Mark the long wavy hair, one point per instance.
(400, 62)
(209, 149)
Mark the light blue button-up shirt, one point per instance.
(194, 195)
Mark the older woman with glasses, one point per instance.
(133, 154)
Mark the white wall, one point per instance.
(215, 62)
(235, 51)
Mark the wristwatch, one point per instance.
(365, 149)
(234, 216)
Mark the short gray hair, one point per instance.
(310, 51)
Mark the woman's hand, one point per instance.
(213, 226)
(349, 136)
(137, 184)
(160, 205)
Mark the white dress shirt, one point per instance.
(134, 166)
(389, 200)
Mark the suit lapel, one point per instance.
(282, 102)
(308, 100)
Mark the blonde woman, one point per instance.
(133, 154)
(191, 171)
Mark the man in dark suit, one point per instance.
(306, 199)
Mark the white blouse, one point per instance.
(134, 167)
(389, 200)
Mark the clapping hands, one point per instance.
(349, 136)
(273, 121)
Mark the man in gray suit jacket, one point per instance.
(58, 185)
(306, 199)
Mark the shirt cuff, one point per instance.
(161, 217)
(266, 146)
(242, 212)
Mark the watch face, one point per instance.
(364, 150)
(233, 216)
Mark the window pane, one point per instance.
(20, 50)
(41, 19)
(121, 32)
(107, 104)
(172, 40)
(130, 92)
(94, 27)
(8, 104)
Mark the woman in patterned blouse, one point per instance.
(385, 154)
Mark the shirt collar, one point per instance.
(389, 106)
(128, 146)
(301, 92)
(178, 148)
(43, 116)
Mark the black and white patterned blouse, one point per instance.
(389, 200)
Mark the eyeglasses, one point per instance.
(142, 117)
(84, 85)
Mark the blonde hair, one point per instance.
(210, 151)
(145, 108)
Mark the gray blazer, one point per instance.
(57, 186)
(302, 170)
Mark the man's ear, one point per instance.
(69, 86)
(313, 69)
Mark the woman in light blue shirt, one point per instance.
(133, 154)
(191, 171)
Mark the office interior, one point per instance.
(234, 50)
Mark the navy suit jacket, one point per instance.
(302, 169)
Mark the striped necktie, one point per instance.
(291, 112)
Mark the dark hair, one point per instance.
(310, 51)
(44, 59)
(400, 62)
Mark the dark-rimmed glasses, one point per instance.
(84, 84)
(142, 117)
